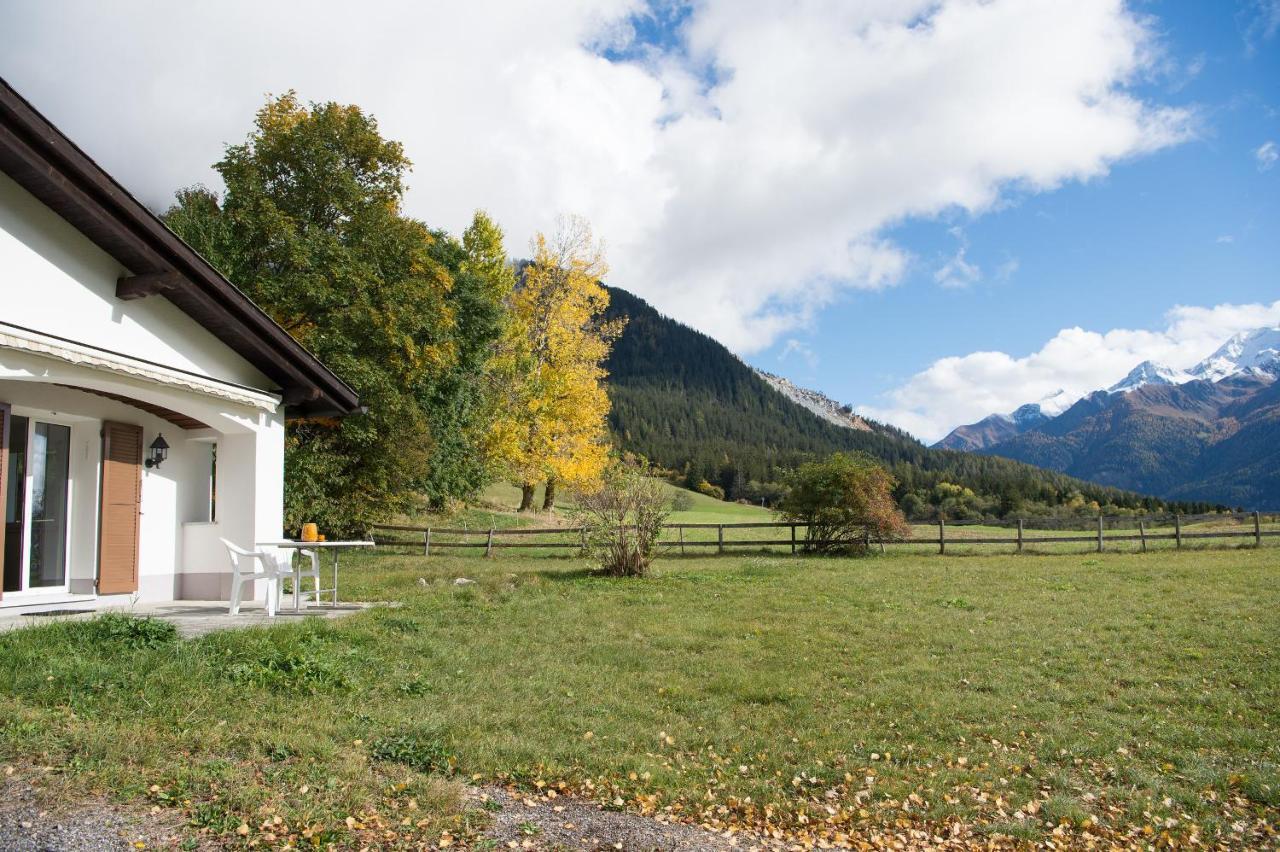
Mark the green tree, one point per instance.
(465, 397)
(846, 501)
(311, 228)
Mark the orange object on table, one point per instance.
(310, 532)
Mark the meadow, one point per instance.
(994, 696)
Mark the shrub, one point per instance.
(681, 501)
(846, 501)
(622, 520)
(704, 487)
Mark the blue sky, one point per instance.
(932, 209)
(1195, 224)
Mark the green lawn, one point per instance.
(1109, 693)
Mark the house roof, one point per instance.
(41, 159)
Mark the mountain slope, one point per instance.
(993, 429)
(1149, 373)
(1251, 352)
(685, 402)
(1208, 434)
(819, 403)
(1200, 440)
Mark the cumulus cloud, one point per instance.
(743, 173)
(966, 388)
(1267, 154)
(799, 348)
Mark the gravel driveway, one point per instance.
(32, 821)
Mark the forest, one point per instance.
(694, 410)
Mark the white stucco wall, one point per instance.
(179, 553)
(54, 281)
(65, 285)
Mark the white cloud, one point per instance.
(742, 206)
(958, 273)
(1007, 269)
(1225, 239)
(966, 388)
(1267, 154)
(1259, 22)
(800, 348)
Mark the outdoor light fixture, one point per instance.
(159, 451)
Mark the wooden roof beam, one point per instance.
(148, 284)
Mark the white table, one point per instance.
(335, 546)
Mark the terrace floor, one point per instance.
(192, 618)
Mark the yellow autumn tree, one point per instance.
(553, 430)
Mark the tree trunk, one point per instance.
(549, 499)
(526, 497)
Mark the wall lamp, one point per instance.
(158, 452)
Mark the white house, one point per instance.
(114, 334)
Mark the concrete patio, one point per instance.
(192, 618)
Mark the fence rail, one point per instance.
(1096, 532)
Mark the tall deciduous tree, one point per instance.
(464, 398)
(555, 429)
(311, 228)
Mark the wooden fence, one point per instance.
(1096, 532)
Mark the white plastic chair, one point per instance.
(299, 573)
(241, 574)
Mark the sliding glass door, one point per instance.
(37, 505)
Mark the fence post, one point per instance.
(793, 539)
(1142, 534)
(488, 548)
(720, 538)
(942, 535)
(426, 542)
(1019, 535)
(681, 540)
(1177, 530)
(1099, 533)
(1257, 530)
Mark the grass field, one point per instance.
(1123, 695)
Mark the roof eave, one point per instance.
(41, 159)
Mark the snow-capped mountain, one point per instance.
(1209, 433)
(1150, 373)
(1000, 427)
(1247, 352)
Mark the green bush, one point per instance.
(681, 501)
(704, 487)
(845, 502)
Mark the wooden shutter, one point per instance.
(121, 510)
(4, 472)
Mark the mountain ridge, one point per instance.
(1213, 436)
(686, 403)
(817, 402)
